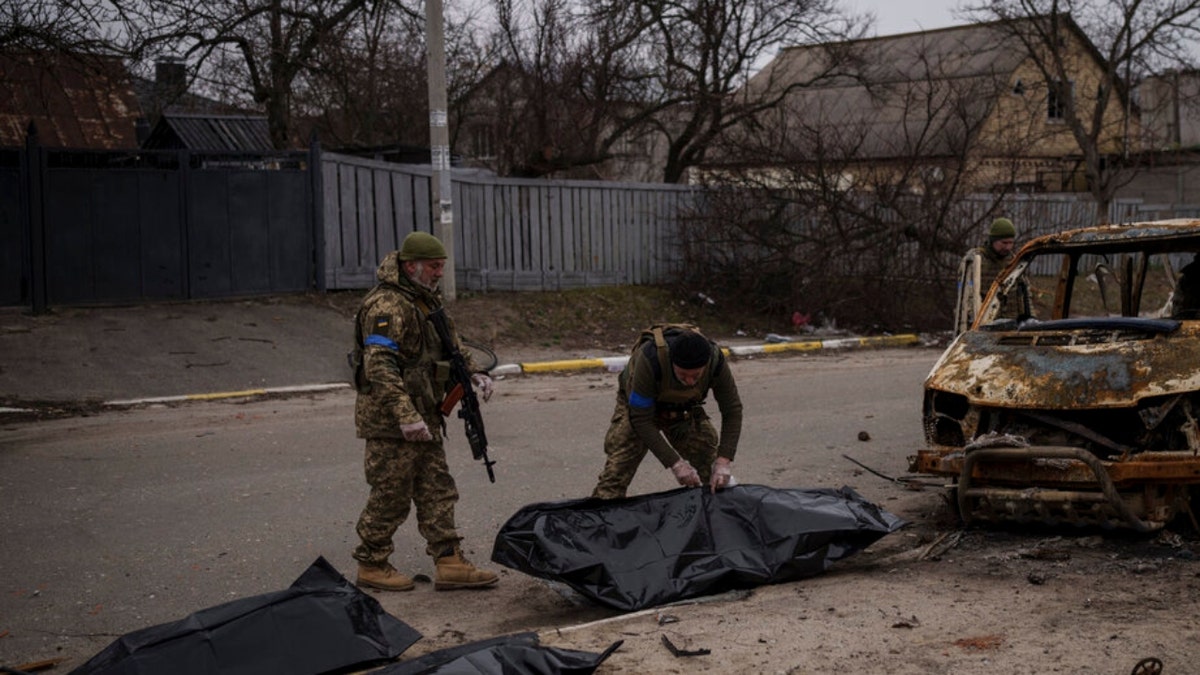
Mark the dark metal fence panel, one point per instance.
(87, 227)
(112, 235)
(14, 271)
(249, 232)
(209, 260)
(291, 230)
(162, 236)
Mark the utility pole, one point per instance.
(442, 207)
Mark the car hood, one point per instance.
(1019, 369)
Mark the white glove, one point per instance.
(484, 383)
(417, 431)
(685, 474)
(722, 473)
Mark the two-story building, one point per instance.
(1170, 115)
(966, 104)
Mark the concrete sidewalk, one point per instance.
(118, 356)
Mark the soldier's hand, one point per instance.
(417, 431)
(685, 473)
(484, 383)
(722, 473)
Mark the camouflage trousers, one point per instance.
(695, 439)
(402, 474)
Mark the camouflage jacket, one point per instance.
(404, 369)
(654, 399)
(991, 264)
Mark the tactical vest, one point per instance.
(672, 395)
(425, 375)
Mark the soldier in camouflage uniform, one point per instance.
(1185, 301)
(992, 259)
(401, 382)
(663, 389)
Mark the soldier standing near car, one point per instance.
(401, 381)
(1185, 301)
(991, 260)
(660, 408)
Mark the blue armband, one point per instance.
(381, 341)
(637, 400)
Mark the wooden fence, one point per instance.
(1037, 215)
(533, 234)
(185, 225)
(509, 234)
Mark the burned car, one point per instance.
(1082, 408)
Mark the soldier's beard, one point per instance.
(418, 274)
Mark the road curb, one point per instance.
(610, 364)
(213, 396)
(616, 363)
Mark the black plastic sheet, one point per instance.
(320, 624)
(504, 655)
(658, 548)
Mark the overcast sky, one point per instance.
(906, 16)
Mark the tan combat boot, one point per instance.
(384, 577)
(454, 571)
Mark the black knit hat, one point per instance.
(691, 350)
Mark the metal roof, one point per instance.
(210, 132)
(75, 100)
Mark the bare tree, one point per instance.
(258, 48)
(584, 79)
(65, 26)
(693, 55)
(1131, 38)
(858, 218)
(368, 84)
(548, 104)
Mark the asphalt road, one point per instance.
(168, 349)
(131, 518)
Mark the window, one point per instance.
(482, 142)
(1058, 97)
(1018, 88)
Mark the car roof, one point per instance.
(1180, 234)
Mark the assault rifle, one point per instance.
(463, 390)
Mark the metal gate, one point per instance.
(95, 227)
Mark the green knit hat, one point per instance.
(1002, 228)
(421, 246)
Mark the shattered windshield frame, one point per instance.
(1073, 396)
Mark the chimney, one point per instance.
(170, 80)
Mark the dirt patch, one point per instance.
(605, 319)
